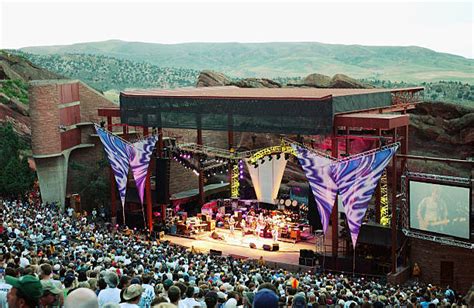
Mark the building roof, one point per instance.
(230, 92)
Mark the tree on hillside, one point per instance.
(16, 177)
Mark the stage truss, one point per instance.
(444, 240)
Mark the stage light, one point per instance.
(262, 161)
(287, 156)
(270, 157)
(278, 156)
(255, 165)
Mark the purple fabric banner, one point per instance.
(318, 172)
(117, 152)
(356, 180)
(140, 155)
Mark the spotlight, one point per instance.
(287, 156)
(262, 160)
(270, 157)
(255, 165)
(278, 156)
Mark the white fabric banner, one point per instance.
(266, 178)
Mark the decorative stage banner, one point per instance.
(356, 179)
(318, 172)
(140, 155)
(266, 178)
(117, 152)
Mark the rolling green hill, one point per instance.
(107, 73)
(409, 64)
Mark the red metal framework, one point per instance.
(386, 126)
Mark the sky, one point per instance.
(440, 25)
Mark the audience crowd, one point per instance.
(51, 258)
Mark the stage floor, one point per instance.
(239, 246)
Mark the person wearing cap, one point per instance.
(265, 298)
(25, 292)
(51, 294)
(131, 296)
(299, 301)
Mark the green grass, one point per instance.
(15, 89)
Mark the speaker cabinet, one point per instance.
(213, 252)
(275, 247)
(253, 246)
(267, 247)
(162, 180)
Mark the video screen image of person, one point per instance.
(440, 208)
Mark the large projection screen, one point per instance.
(440, 208)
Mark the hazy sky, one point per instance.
(441, 26)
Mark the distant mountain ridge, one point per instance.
(269, 60)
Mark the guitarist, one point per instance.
(432, 212)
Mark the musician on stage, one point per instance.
(275, 233)
(231, 224)
(243, 225)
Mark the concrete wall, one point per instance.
(52, 157)
(52, 175)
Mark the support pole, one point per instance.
(148, 190)
(404, 148)
(334, 214)
(113, 199)
(378, 193)
(393, 219)
(347, 141)
(159, 153)
(201, 173)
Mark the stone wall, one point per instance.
(429, 256)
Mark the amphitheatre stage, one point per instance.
(350, 145)
(238, 246)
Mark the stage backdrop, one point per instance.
(266, 178)
(140, 155)
(117, 151)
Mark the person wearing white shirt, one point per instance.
(111, 294)
(190, 301)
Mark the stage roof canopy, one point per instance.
(269, 110)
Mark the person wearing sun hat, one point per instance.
(131, 296)
(51, 294)
(25, 292)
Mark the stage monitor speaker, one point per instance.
(253, 246)
(213, 252)
(275, 247)
(306, 253)
(267, 247)
(162, 180)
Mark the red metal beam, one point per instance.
(334, 214)
(374, 121)
(394, 209)
(109, 112)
